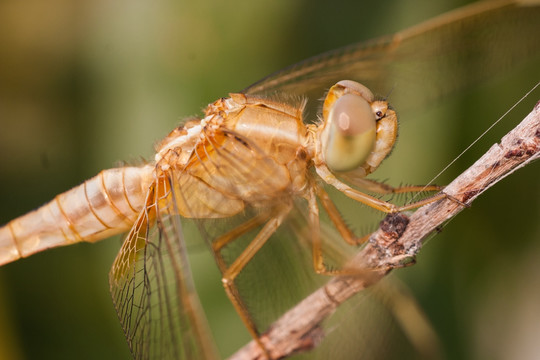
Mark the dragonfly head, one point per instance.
(349, 130)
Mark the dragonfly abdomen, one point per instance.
(102, 206)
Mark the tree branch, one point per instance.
(396, 243)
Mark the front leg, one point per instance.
(381, 205)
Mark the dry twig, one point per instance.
(396, 242)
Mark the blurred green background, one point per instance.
(86, 84)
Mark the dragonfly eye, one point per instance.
(350, 132)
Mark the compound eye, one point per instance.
(352, 133)
(355, 87)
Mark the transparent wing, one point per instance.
(423, 62)
(153, 290)
(281, 275)
(229, 174)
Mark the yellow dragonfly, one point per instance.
(251, 159)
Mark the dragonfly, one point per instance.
(249, 156)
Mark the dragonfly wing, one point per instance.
(428, 61)
(150, 280)
(153, 290)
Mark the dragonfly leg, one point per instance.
(381, 205)
(318, 259)
(336, 218)
(230, 274)
(234, 234)
(381, 188)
